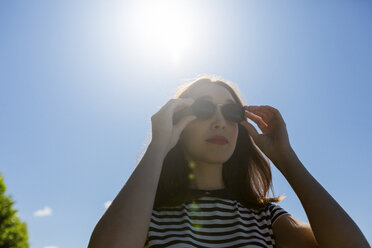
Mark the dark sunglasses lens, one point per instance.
(203, 109)
(233, 112)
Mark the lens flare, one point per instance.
(194, 207)
(192, 164)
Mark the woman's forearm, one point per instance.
(125, 223)
(331, 225)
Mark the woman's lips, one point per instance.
(217, 142)
(218, 139)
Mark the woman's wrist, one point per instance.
(158, 148)
(285, 159)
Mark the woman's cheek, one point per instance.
(190, 138)
(234, 136)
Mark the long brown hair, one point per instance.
(246, 173)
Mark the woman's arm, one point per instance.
(125, 223)
(292, 233)
(331, 225)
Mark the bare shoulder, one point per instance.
(291, 232)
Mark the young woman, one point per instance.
(203, 182)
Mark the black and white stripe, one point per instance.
(211, 221)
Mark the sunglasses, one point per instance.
(204, 109)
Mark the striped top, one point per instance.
(212, 219)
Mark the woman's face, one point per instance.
(194, 136)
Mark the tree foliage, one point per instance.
(13, 232)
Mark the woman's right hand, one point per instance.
(164, 132)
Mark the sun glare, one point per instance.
(164, 27)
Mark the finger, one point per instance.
(180, 108)
(257, 119)
(268, 107)
(255, 108)
(175, 104)
(273, 111)
(266, 112)
(179, 103)
(266, 117)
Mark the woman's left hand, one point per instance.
(273, 141)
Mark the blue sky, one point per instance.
(79, 81)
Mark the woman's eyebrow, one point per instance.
(208, 96)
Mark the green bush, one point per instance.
(13, 232)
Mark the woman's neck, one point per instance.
(207, 176)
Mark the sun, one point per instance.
(164, 27)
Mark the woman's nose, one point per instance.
(219, 119)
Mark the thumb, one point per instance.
(184, 121)
(250, 128)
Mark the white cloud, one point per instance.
(51, 246)
(107, 204)
(46, 211)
